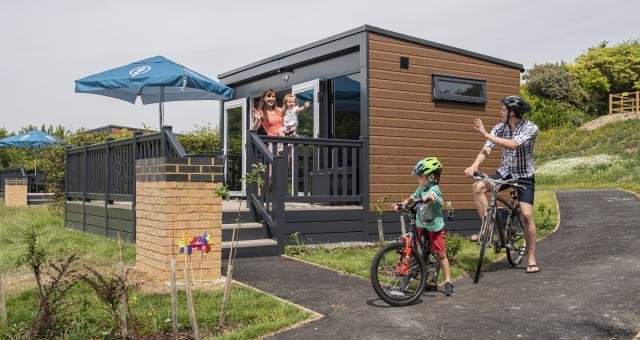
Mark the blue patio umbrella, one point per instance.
(154, 80)
(33, 139)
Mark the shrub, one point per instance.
(549, 113)
(454, 245)
(203, 139)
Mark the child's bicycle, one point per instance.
(510, 234)
(400, 271)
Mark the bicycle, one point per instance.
(510, 234)
(402, 270)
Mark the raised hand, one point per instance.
(479, 126)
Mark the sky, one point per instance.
(47, 44)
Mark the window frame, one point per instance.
(435, 78)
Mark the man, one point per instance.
(517, 138)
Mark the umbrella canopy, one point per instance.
(33, 139)
(155, 80)
(149, 78)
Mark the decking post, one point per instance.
(364, 184)
(132, 181)
(107, 184)
(85, 168)
(66, 180)
(637, 101)
(279, 187)
(250, 187)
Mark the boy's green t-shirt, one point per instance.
(429, 216)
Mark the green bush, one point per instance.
(203, 139)
(549, 113)
(553, 81)
(453, 243)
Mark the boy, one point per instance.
(429, 214)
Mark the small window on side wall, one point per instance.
(459, 89)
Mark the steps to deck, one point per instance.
(247, 231)
(252, 248)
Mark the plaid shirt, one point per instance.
(519, 162)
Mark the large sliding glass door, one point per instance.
(308, 121)
(235, 136)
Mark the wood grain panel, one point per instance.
(405, 124)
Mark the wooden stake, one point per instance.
(380, 231)
(3, 305)
(123, 298)
(201, 262)
(174, 297)
(227, 284)
(225, 297)
(192, 311)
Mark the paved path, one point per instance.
(589, 287)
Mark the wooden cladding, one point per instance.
(405, 124)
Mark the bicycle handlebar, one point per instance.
(512, 181)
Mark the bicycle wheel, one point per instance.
(485, 237)
(515, 241)
(397, 278)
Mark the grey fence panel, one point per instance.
(106, 172)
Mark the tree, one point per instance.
(553, 81)
(607, 69)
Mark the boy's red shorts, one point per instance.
(438, 242)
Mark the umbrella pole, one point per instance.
(161, 108)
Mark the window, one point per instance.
(344, 107)
(459, 89)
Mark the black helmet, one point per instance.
(516, 104)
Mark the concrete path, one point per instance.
(588, 288)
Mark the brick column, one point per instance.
(15, 192)
(174, 196)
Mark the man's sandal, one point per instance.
(530, 269)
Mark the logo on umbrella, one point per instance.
(139, 70)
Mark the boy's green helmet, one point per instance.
(426, 166)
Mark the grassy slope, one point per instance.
(621, 139)
(357, 261)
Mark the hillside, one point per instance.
(605, 157)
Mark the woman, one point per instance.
(269, 115)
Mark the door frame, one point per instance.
(232, 104)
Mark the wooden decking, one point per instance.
(232, 206)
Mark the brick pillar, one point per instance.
(174, 196)
(15, 192)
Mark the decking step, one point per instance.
(252, 248)
(243, 225)
(247, 231)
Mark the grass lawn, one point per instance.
(56, 240)
(251, 313)
(357, 261)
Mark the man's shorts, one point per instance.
(524, 195)
(438, 242)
